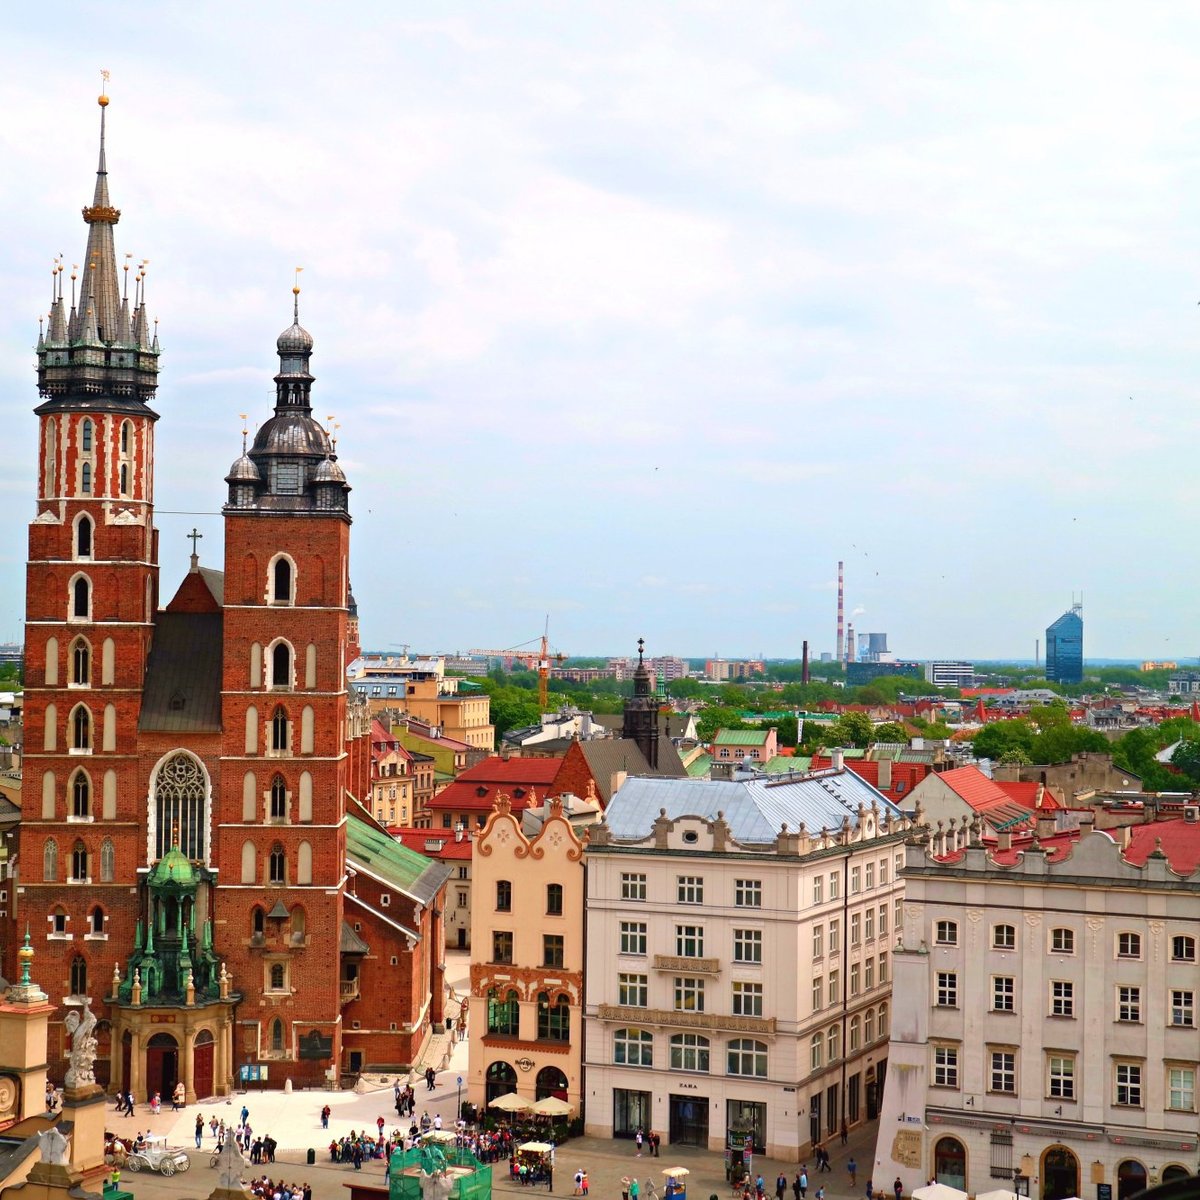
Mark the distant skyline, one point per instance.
(644, 315)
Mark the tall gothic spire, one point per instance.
(103, 351)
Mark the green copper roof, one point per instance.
(741, 737)
(390, 859)
(699, 765)
(174, 868)
(780, 765)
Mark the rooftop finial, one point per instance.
(245, 431)
(296, 296)
(641, 649)
(195, 536)
(102, 99)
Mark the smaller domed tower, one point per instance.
(641, 712)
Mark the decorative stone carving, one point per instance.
(53, 1145)
(231, 1166)
(81, 1026)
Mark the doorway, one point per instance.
(631, 1112)
(1131, 1178)
(162, 1065)
(950, 1163)
(689, 1121)
(202, 1064)
(1060, 1174)
(462, 937)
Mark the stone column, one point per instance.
(136, 1081)
(189, 1065)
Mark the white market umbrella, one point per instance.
(938, 1191)
(675, 1172)
(511, 1102)
(998, 1194)
(552, 1106)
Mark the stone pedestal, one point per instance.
(84, 1108)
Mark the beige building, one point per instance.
(1044, 1031)
(466, 717)
(527, 975)
(739, 943)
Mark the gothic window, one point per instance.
(50, 861)
(276, 865)
(81, 597)
(277, 977)
(180, 795)
(278, 799)
(79, 862)
(299, 924)
(86, 438)
(81, 663)
(279, 729)
(85, 478)
(256, 922)
(108, 862)
(59, 919)
(281, 665)
(96, 920)
(51, 461)
(81, 796)
(78, 976)
(281, 579)
(277, 1036)
(124, 479)
(83, 537)
(124, 437)
(81, 728)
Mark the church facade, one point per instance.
(191, 851)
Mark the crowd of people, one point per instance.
(356, 1148)
(268, 1189)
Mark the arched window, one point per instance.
(110, 796)
(689, 1052)
(85, 439)
(869, 1026)
(124, 479)
(883, 1020)
(81, 663)
(299, 925)
(96, 920)
(81, 597)
(249, 862)
(950, 1163)
(277, 868)
(85, 478)
(833, 1044)
(50, 464)
(550, 1081)
(48, 795)
(108, 661)
(277, 974)
(108, 862)
(79, 862)
(553, 1019)
(747, 1057)
(504, 1012)
(279, 729)
(1131, 1178)
(304, 863)
(252, 730)
(50, 861)
(81, 796)
(81, 728)
(50, 728)
(257, 922)
(78, 976)
(278, 799)
(281, 665)
(124, 437)
(855, 1033)
(51, 678)
(277, 1036)
(633, 1048)
(307, 725)
(499, 1081)
(83, 537)
(816, 1052)
(180, 799)
(281, 579)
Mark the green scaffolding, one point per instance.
(473, 1183)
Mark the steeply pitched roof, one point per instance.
(377, 851)
(670, 724)
(755, 809)
(741, 737)
(182, 693)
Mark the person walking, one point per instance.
(780, 1186)
(898, 1188)
(199, 1129)
(803, 1180)
(845, 1133)
(245, 1114)
(852, 1167)
(129, 1104)
(625, 1182)
(638, 1138)
(870, 1190)
(634, 1189)
(796, 1187)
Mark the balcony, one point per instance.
(349, 990)
(627, 1014)
(680, 964)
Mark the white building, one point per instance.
(1044, 1025)
(950, 674)
(751, 926)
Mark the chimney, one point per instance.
(459, 830)
(885, 774)
(804, 662)
(838, 759)
(1046, 826)
(1004, 840)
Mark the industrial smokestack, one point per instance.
(850, 642)
(841, 621)
(804, 663)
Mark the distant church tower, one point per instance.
(641, 712)
(280, 826)
(91, 592)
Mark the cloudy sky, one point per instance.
(643, 315)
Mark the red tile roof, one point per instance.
(1178, 839)
(420, 839)
(476, 788)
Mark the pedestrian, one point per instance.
(634, 1189)
(245, 1114)
(585, 1183)
(430, 1078)
(212, 1124)
(199, 1129)
(870, 1191)
(129, 1104)
(638, 1137)
(379, 1126)
(114, 1179)
(852, 1167)
(898, 1188)
(820, 1192)
(780, 1186)
(654, 1141)
(324, 1118)
(796, 1187)
(803, 1181)
(578, 1183)
(178, 1096)
(845, 1133)
(625, 1181)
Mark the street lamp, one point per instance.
(458, 1105)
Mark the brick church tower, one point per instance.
(91, 592)
(281, 823)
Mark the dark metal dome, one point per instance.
(290, 433)
(294, 340)
(243, 471)
(328, 472)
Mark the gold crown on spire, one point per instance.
(102, 99)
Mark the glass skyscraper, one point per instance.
(1064, 647)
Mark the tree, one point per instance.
(714, 717)
(853, 729)
(1015, 756)
(1187, 759)
(993, 740)
(1057, 743)
(787, 731)
(891, 731)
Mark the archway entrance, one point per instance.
(950, 1163)
(202, 1064)
(1060, 1174)
(1173, 1172)
(501, 1079)
(550, 1082)
(1131, 1178)
(162, 1065)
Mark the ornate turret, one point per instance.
(100, 354)
(641, 711)
(292, 465)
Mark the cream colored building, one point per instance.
(739, 944)
(527, 946)
(1044, 1027)
(465, 716)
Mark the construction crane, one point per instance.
(536, 660)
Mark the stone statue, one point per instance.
(231, 1166)
(53, 1145)
(81, 1026)
(433, 1160)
